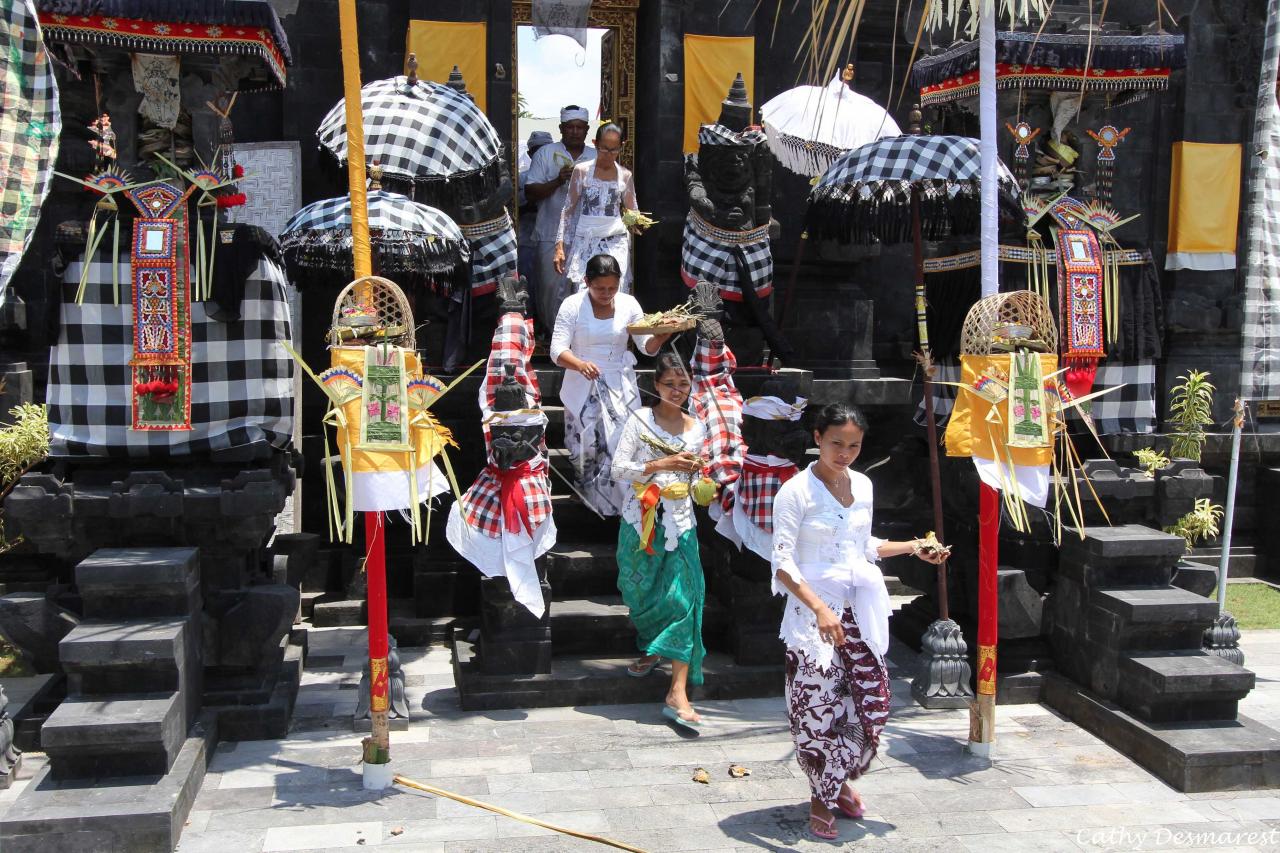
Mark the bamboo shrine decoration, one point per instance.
(379, 408)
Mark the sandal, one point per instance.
(674, 716)
(640, 669)
(823, 827)
(850, 807)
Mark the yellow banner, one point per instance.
(971, 431)
(710, 65)
(1204, 205)
(440, 45)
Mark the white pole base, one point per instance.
(377, 777)
(978, 748)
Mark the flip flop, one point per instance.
(643, 670)
(823, 828)
(674, 716)
(849, 807)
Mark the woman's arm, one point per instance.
(647, 344)
(629, 190)
(571, 201)
(562, 340)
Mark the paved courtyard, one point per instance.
(621, 772)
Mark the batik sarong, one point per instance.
(594, 415)
(837, 712)
(665, 592)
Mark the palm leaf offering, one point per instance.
(637, 221)
(678, 319)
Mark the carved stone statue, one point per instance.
(729, 183)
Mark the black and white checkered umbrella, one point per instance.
(407, 237)
(865, 195)
(416, 131)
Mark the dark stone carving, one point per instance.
(943, 673)
(399, 709)
(10, 755)
(1222, 638)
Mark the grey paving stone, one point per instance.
(1020, 842)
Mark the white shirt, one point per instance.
(546, 165)
(829, 547)
(603, 342)
(676, 516)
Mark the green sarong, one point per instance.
(665, 593)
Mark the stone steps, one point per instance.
(1175, 686)
(584, 569)
(137, 655)
(126, 735)
(600, 680)
(1154, 618)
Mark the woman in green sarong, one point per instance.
(659, 572)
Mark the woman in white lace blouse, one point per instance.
(836, 621)
(659, 569)
(591, 221)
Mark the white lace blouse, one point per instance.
(676, 516)
(828, 546)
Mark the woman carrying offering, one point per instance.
(659, 570)
(836, 620)
(599, 390)
(591, 221)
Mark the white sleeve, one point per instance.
(627, 465)
(566, 324)
(788, 513)
(542, 168)
(571, 200)
(871, 552)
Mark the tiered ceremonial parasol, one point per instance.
(808, 127)
(406, 237)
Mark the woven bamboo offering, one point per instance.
(1003, 322)
(373, 309)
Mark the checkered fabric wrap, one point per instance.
(1130, 409)
(716, 401)
(1260, 332)
(909, 158)
(701, 259)
(718, 134)
(30, 124)
(492, 258)
(242, 378)
(425, 130)
(755, 489)
(512, 344)
(482, 503)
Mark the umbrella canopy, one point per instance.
(810, 126)
(407, 237)
(416, 130)
(865, 195)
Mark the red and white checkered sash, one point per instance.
(519, 499)
(512, 344)
(716, 401)
(756, 487)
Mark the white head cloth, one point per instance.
(575, 114)
(774, 408)
(539, 138)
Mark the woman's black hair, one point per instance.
(839, 414)
(602, 265)
(663, 364)
(609, 127)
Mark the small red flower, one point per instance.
(238, 171)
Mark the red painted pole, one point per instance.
(375, 567)
(983, 717)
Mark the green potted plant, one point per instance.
(23, 443)
(1190, 411)
(1199, 524)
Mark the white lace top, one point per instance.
(676, 516)
(829, 547)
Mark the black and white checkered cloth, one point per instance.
(387, 212)
(420, 131)
(242, 378)
(1129, 409)
(1260, 332)
(30, 125)
(701, 259)
(492, 257)
(909, 158)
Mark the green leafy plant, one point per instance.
(1199, 524)
(1151, 460)
(23, 443)
(1190, 411)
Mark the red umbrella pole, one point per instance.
(982, 719)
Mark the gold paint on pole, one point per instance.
(355, 139)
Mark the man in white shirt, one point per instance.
(547, 184)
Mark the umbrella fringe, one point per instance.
(398, 252)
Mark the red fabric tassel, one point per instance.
(783, 472)
(1080, 375)
(515, 512)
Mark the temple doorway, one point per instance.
(555, 71)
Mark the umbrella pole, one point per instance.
(943, 677)
(377, 750)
